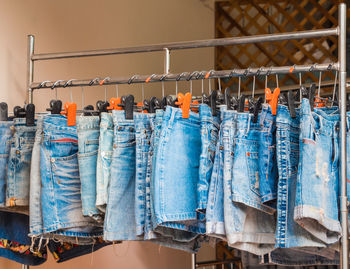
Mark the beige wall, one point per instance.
(68, 25)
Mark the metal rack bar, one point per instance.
(344, 264)
(186, 76)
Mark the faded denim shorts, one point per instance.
(18, 171)
(247, 226)
(209, 136)
(6, 132)
(88, 139)
(61, 190)
(316, 203)
(289, 233)
(104, 159)
(177, 172)
(215, 225)
(35, 216)
(120, 221)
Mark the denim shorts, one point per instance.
(18, 171)
(316, 203)
(247, 227)
(5, 142)
(209, 136)
(143, 134)
(61, 194)
(215, 225)
(88, 140)
(120, 221)
(288, 233)
(35, 216)
(267, 158)
(177, 172)
(104, 159)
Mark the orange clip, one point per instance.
(148, 79)
(207, 75)
(246, 105)
(195, 109)
(319, 102)
(141, 105)
(70, 110)
(180, 99)
(186, 105)
(291, 69)
(268, 95)
(114, 103)
(274, 101)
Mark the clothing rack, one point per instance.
(339, 66)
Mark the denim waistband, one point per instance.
(21, 127)
(142, 120)
(5, 125)
(283, 116)
(88, 122)
(119, 118)
(58, 123)
(206, 114)
(227, 115)
(245, 122)
(172, 113)
(106, 120)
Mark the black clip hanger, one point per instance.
(283, 99)
(146, 105)
(309, 93)
(347, 102)
(55, 107)
(102, 106)
(241, 103)
(291, 103)
(3, 112)
(228, 98)
(154, 104)
(87, 108)
(27, 112)
(254, 107)
(129, 107)
(212, 102)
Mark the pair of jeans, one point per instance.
(18, 171)
(289, 234)
(61, 190)
(176, 172)
(215, 225)
(88, 141)
(268, 175)
(104, 159)
(6, 133)
(316, 203)
(143, 134)
(247, 226)
(35, 210)
(209, 136)
(120, 221)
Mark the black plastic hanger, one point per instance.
(3, 112)
(55, 107)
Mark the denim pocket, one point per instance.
(124, 137)
(90, 147)
(253, 169)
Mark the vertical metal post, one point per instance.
(166, 61)
(193, 261)
(30, 67)
(25, 266)
(344, 262)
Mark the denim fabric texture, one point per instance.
(209, 136)
(143, 140)
(316, 204)
(6, 132)
(61, 196)
(18, 171)
(177, 172)
(104, 159)
(215, 225)
(35, 216)
(288, 233)
(247, 227)
(88, 141)
(268, 176)
(120, 221)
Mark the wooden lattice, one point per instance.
(254, 17)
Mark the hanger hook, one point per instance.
(56, 83)
(253, 92)
(319, 84)
(233, 72)
(246, 72)
(132, 79)
(68, 83)
(239, 86)
(93, 81)
(150, 78)
(312, 67)
(335, 85)
(106, 79)
(43, 84)
(277, 84)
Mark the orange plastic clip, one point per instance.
(180, 99)
(186, 105)
(268, 95)
(114, 103)
(319, 102)
(70, 110)
(246, 105)
(274, 101)
(141, 105)
(195, 109)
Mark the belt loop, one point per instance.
(248, 127)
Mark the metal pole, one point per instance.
(344, 262)
(193, 261)
(25, 266)
(30, 67)
(166, 61)
(192, 44)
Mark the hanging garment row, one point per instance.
(262, 175)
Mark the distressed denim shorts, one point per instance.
(88, 139)
(177, 172)
(120, 221)
(316, 203)
(289, 234)
(18, 171)
(6, 132)
(209, 136)
(104, 159)
(247, 227)
(61, 190)
(215, 225)
(35, 216)
(267, 158)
